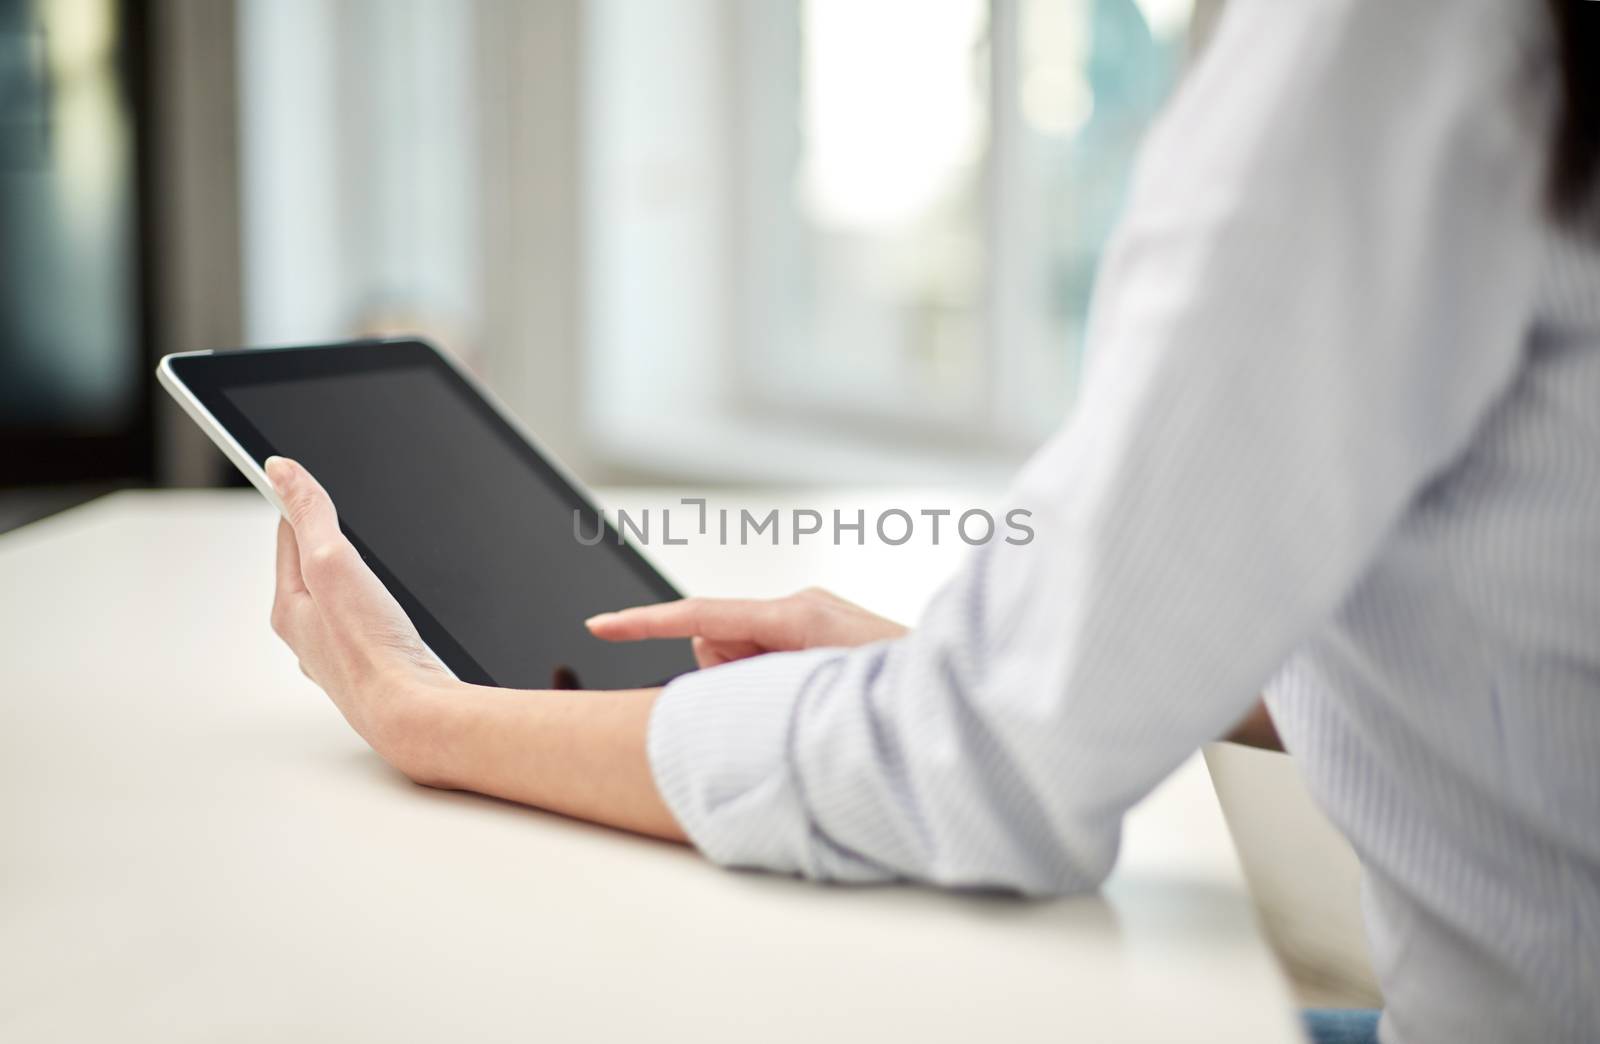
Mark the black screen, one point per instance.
(462, 520)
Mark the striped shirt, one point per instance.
(1339, 442)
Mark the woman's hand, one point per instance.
(579, 753)
(351, 636)
(726, 629)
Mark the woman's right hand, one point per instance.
(724, 629)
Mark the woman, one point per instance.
(1340, 441)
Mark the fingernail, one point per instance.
(278, 470)
(599, 618)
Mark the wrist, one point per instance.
(418, 718)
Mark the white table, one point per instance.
(194, 847)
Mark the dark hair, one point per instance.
(1575, 166)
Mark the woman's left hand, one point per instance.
(351, 636)
(582, 754)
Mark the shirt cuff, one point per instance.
(719, 749)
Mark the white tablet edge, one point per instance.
(258, 478)
(214, 430)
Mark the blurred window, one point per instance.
(909, 202)
(810, 235)
(359, 156)
(934, 187)
(866, 231)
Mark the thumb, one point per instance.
(306, 505)
(325, 555)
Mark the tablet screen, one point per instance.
(462, 519)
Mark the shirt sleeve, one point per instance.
(1323, 282)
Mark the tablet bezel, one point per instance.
(199, 380)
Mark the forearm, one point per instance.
(582, 754)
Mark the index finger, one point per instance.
(725, 619)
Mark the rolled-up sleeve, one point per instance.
(1322, 285)
(719, 748)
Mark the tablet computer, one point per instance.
(466, 521)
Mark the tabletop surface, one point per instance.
(195, 847)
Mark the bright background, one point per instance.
(706, 241)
